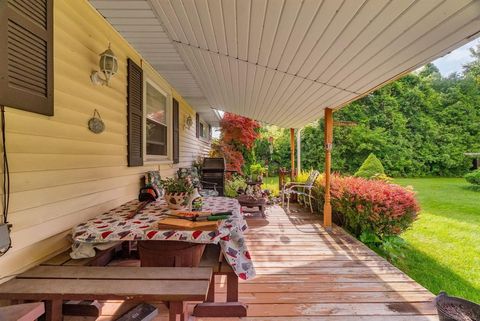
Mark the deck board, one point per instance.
(305, 273)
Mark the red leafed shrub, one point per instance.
(375, 206)
(236, 141)
(233, 158)
(239, 130)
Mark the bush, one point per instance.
(234, 184)
(371, 168)
(302, 177)
(362, 205)
(473, 177)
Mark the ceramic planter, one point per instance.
(177, 201)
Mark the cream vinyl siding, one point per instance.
(61, 173)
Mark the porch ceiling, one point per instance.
(284, 61)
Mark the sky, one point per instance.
(454, 61)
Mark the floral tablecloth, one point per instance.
(114, 226)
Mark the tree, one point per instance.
(371, 168)
(237, 138)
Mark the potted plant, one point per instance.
(177, 192)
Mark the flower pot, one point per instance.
(456, 309)
(177, 201)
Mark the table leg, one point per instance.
(211, 291)
(176, 307)
(53, 310)
(231, 308)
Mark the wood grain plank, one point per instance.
(117, 273)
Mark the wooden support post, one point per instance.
(327, 207)
(292, 154)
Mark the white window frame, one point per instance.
(205, 125)
(169, 106)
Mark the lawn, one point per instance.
(271, 183)
(443, 245)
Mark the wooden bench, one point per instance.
(54, 284)
(86, 308)
(22, 312)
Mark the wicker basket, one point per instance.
(170, 253)
(455, 309)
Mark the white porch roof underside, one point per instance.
(284, 61)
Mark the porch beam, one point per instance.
(292, 154)
(328, 139)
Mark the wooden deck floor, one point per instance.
(307, 274)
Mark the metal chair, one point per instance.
(303, 190)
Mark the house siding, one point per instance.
(61, 173)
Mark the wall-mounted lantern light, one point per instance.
(108, 66)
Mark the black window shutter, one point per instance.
(26, 55)
(197, 124)
(176, 132)
(135, 113)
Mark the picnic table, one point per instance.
(114, 226)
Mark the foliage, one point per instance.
(235, 184)
(233, 157)
(473, 177)
(237, 138)
(442, 246)
(271, 184)
(374, 206)
(257, 169)
(371, 168)
(302, 177)
(173, 186)
(389, 246)
(238, 130)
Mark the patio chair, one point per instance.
(204, 188)
(303, 190)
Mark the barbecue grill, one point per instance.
(213, 172)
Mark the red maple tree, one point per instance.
(238, 135)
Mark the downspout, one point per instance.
(299, 141)
(292, 154)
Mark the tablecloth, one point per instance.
(113, 226)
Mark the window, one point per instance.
(204, 130)
(156, 122)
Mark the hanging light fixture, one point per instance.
(108, 66)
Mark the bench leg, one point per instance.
(53, 310)
(177, 307)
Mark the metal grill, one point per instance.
(213, 171)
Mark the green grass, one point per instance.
(443, 245)
(271, 183)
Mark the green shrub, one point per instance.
(371, 168)
(234, 184)
(473, 177)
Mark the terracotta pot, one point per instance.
(177, 201)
